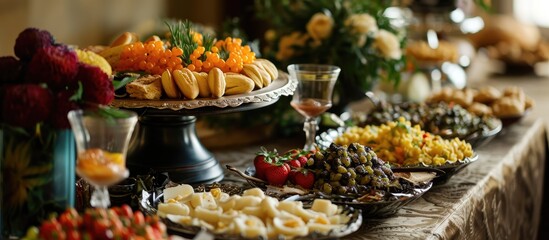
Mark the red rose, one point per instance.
(25, 105)
(55, 66)
(97, 85)
(62, 107)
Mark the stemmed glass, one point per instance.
(102, 136)
(313, 95)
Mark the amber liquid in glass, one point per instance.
(310, 107)
(101, 167)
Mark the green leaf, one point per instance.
(121, 83)
(78, 94)
(112, 113)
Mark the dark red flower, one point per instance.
(2, 96)
(29, 41)
(97, 85)
(62, 106)
(25, 105)
(55, 66)
(10, 68)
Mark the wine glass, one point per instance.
(102, 136)
(313, 95)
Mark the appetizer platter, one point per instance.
(281, 86)
(190, 70)
(447, 120)
(232, 212)
(402, 145)
(171, 81)
(509, 104)
(346, 175)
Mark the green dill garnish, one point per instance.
(181, 36)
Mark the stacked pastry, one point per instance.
(510, 102)
(187, 84)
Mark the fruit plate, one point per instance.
(148, 205)
(378, 204)
(282, 86)
(326, 138)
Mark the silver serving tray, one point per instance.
(148, 205)
(282, 86)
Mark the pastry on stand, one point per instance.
(166, 141)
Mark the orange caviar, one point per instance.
(228, 55)
(151, 57)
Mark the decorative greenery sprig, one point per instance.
(208, 43)
(181, 36)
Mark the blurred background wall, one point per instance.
(88, 22)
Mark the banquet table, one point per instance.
(499, 196)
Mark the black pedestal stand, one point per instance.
(166, 141)
(169, 144)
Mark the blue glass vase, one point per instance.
(38, 177)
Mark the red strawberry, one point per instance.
(264, 160)
(305, 179)
(295, 163)
(278, 174)
(298, 154)
(291, 175)
(302, 160)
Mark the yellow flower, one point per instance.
(387, 43)
(320, 26)
(287, 43)
(94, 59)
(19, 175)
(361, 23)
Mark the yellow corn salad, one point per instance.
(400, 143)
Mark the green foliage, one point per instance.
(181, 36)
(362, 65)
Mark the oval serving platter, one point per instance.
(148, 205)
(324, 139)
(385, 204)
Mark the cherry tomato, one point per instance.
(149, 233)
(73, 235)
(68, 222)
(126, 210)
(51, 229)
(101, 229)
(138, 218)
(159, 226)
